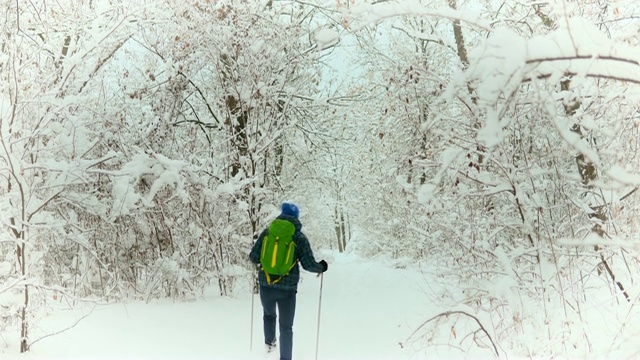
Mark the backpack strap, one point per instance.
(269, 282)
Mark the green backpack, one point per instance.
(278, 254)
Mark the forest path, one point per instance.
(368, 308)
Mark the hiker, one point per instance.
(279, 287)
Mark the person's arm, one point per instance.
(254, 256)
(305, 255)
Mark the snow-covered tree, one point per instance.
(50, 56)
(522, 169)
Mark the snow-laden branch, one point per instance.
(596, 66)
(334, 100)
(505, 60)
(576, 49)
(369, 14)
(20, 281)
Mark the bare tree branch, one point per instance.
(63, 330)
(457, 312)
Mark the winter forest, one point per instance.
(495, 145)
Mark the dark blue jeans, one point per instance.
(286, 303)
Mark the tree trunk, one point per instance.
(336, 222)
(464, 59)
(24, 329)
(19, 234)
(340, 227)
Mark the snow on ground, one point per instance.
(367, 309)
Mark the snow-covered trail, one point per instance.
(367, 309)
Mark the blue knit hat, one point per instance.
(290, 209)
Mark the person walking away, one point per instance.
(279, 250)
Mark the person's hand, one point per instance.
(324, 264)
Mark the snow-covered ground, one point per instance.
(369, 309)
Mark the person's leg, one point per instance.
(268, 299)
(286, 310)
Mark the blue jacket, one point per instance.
(303, 253)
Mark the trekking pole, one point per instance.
(319, 309)
(253, 296)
